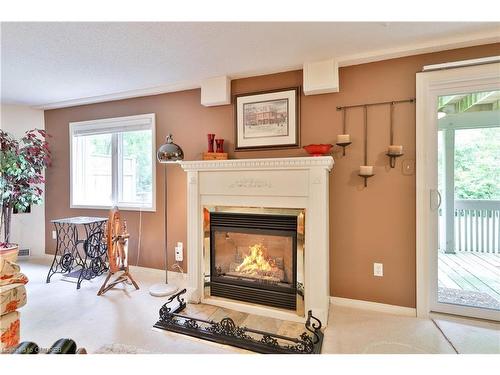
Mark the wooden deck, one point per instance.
(474, 272)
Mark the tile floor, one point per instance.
(125, 316)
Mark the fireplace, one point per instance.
(256, 256)
(296, 187)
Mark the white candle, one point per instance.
(395, 150)
(366, 170)
(343, 138)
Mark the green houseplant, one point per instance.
(22, 163)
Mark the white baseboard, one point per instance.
(373, 306)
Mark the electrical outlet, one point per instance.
(179, 254)
(54, 235)
(378, 269)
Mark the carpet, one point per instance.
(120, 349)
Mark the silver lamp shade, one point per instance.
(169, 152)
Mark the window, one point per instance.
(112, 163)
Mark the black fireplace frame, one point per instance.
(250, 291)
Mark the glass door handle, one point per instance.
(434, 193)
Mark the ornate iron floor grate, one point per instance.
(228, 333)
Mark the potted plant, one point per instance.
(22, 163)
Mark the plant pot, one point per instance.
(9, 253)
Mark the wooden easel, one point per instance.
(117, 242)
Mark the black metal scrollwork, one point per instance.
(66, 249)
(66, 262)
(227, 332)
(166, 310)
(314, 327)
(191, 323)
(268, 340)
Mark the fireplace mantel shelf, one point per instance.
(265, 163)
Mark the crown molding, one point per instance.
(434, 45)
(157, 90)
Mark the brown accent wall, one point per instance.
(376, 224)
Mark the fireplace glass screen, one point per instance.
(254, 258)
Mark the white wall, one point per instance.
(28, 229)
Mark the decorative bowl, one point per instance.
(318, 150)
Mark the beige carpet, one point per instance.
(470, 336)
(125, 316)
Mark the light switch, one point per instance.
(408, 167)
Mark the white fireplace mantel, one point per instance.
(299, 183)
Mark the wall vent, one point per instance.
(24, 252)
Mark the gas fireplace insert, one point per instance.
(253, 258)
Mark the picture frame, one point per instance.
(267, 119)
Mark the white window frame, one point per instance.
(118, 123)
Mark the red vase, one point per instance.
(220, 145)
(210, 138)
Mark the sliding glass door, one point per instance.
(467, 256)
(458, 191)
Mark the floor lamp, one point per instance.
(168, 152)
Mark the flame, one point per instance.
(256, 262)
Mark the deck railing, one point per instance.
(477, 226)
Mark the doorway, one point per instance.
(458, 192)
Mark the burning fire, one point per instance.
(255, 262)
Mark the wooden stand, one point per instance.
(124, 277)
(117, 242)
(215, 156)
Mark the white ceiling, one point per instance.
(46, 63)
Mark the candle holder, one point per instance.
(210, 139)
(392, 158)
(367, 168)
(394, 151)
(346, 143)
(219, 143)
(366, 177)
(343, 145)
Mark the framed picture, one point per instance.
(267, 119)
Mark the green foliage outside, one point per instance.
(137, 145)
(477, 164)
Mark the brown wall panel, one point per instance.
(376, 224)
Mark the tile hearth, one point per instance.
(210, 312)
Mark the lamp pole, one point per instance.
(167, 153)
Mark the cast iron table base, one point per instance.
(67, 257)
